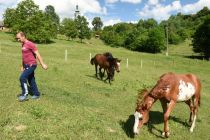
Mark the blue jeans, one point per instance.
(28, 76)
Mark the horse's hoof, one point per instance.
(165, 134)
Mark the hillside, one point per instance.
(76, 105)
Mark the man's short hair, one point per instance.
(22, 34)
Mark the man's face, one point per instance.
(20, 38)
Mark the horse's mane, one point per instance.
(141, 95)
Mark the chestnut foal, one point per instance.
(170, 89)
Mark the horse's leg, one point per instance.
(195, 102)
(100, 73)
(166, 117)
(108, 75)
(190, 104)
(109, 79)
(113, 76)
(164, 105)
(96, 67)
(104, 72)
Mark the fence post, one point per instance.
(90, 56)
(141, 64)
(127, 63)
(66, 55)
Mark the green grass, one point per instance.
(76, 105)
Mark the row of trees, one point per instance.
(73, 28)
(147, 35)
(144, 36)
(42, 26)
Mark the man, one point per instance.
(29, 64)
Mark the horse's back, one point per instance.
(170, 83)
(173, 77)
(101, 60)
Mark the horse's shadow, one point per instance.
(98, 78)
(91, 76)
(127, 126)
(156, 117)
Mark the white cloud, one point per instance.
(195, 7)
(111, 22)
(159, 11)
(153, 2)
(64, 8)
(127, 1)
(153, 9)
(7, 2)
(132, 1)
(4, 4)
(111, 1)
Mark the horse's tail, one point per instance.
(199, 101)
(92, 61)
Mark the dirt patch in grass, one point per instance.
(20, 127)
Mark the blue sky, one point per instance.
(129, 11)
(114, 11)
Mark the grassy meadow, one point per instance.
(75, 105)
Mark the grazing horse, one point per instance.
(110, 58)
(170, 89)
(109, 64)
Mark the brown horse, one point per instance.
(109, 64)
(170, 89)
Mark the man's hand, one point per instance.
(22, 69)
(44, 66)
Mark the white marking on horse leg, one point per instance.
(193, 124)
(165, 134)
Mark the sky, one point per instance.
(115, 11)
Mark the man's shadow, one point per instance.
(156, 117)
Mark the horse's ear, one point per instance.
(118, 60)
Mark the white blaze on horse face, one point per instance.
(137, 116)
(118, 65)
(186, 91)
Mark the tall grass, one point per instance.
(76, 105)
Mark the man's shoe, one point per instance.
(34, 97)
(22, 98)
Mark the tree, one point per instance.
(108, 35)
(156, 41)
(9, 17)
(28, 18)
(201, 38)
(50, 12)
(69, 28)
(97, 24)
(82, 27)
